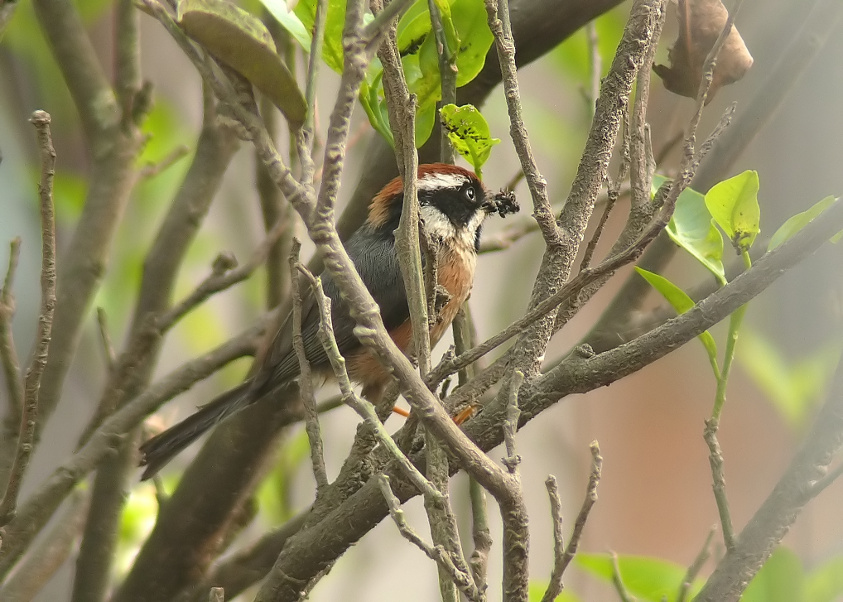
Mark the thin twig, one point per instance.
(402, 111)
(305, 137)
(613, 189)
(385, 19)
(554, 588)
(588, 503)
(715, 458)
(363, 407)
(8, 353)
(509, 235)
(595, 65)
(32, 381)
(498, 17)
(311, 418)
(696, 566)
(108, 352)
(620, 588)
(440, 516)
(150, 170)
(641, 161)
(462, 580)
(447, 77)
(223, 275)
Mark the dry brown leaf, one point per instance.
(700, 24)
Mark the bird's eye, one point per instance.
(469, 193)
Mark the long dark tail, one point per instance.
(162, 448)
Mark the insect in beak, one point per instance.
(503, 203)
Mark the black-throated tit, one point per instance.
(453, 204)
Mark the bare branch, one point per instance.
(223, 275)
(8, 353)
(618, 582)
(32, 381)
(462, 580)
(554, 588)
(314, 434)
(588, 503)
(150, 170)
(696, 566)
(715, 458)
(501, 27)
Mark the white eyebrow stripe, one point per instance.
(433, 181)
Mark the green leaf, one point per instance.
(242, 42)
(289, 21)
(427, 86)
(475, 38)
(799, 221)
(468, 133)
(733, 204)
(537, 589)
(332, 52)
(573, 56)
(468, 38)
(693, 229)
(646, 578)
(781, 579)
(681, 302)
(825, 583)
(793, 389)
(425, 120)
(413, 28)
(371, 97)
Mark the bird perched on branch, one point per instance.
(453, 205)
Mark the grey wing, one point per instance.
(377, 265)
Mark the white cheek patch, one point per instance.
(436, 223)
(434, 181)
(470, 232)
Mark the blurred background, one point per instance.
(655, 495)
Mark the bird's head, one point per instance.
(453, 203)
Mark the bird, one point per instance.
(453, 204)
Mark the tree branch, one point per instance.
(35, 371)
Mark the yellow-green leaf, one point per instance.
(469, 133)
(733, 204)
(681, 302)
(799, 221)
